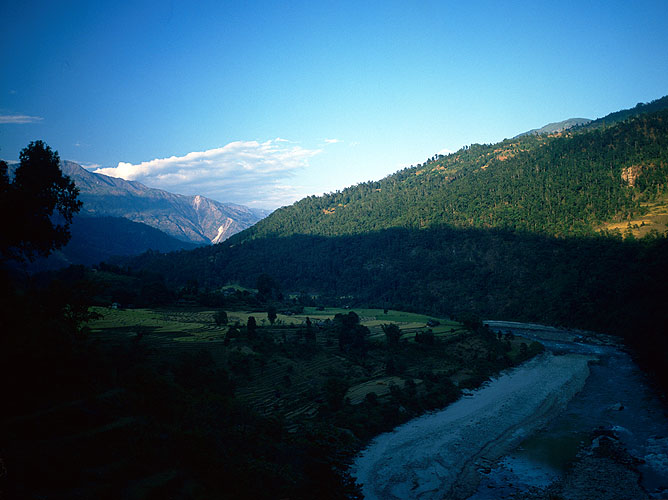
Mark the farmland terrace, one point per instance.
(280, 372)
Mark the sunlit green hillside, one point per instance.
(568, 183)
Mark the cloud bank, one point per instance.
(246, 172)
(20, 119)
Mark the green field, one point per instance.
(189, 324)
(278, 372)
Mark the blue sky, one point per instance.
(262, 103)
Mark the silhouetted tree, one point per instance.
(251, 326)
(470, 321)
(310, 332)
(41, 201)
(335, 390)
(392, 333)
(220, 317)
(350, 333)
(271, 314)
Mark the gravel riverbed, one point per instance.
(440, 455)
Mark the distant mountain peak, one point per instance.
(195, 219)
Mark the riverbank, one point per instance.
(439, 455)
(552, 333)
(605, 469)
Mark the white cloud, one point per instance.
(247, 172)
(445, 152)
(333, 141)
(20, 119)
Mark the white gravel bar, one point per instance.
(438, 455)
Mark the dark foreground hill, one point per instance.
(97, 239)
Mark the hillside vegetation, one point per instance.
(539, 228)
(248, 399)
(568, 183)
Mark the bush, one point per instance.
(426, 337)
(220, 318)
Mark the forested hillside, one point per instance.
(562, 184)
(511, 231)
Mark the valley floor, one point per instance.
(164, 400)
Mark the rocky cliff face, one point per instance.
(189, 218)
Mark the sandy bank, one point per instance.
(438, 455)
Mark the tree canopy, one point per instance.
(565, 184)
(40, 202)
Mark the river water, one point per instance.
(616, 396)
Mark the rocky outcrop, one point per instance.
(630, 174)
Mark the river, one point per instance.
(521, 430)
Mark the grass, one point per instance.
(279, 373)
(199, 321)
(375, 318)
(654, 217)
(380, 386)
(185, 324)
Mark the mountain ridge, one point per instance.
(560, 185)
(195, 218)
(555, 127)
(97, 239)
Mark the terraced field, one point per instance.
(197, 324)
(279, 373)
(283, 374)
(654, 217)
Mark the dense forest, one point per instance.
(506, 231)
(600, 283)
(562, 184)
